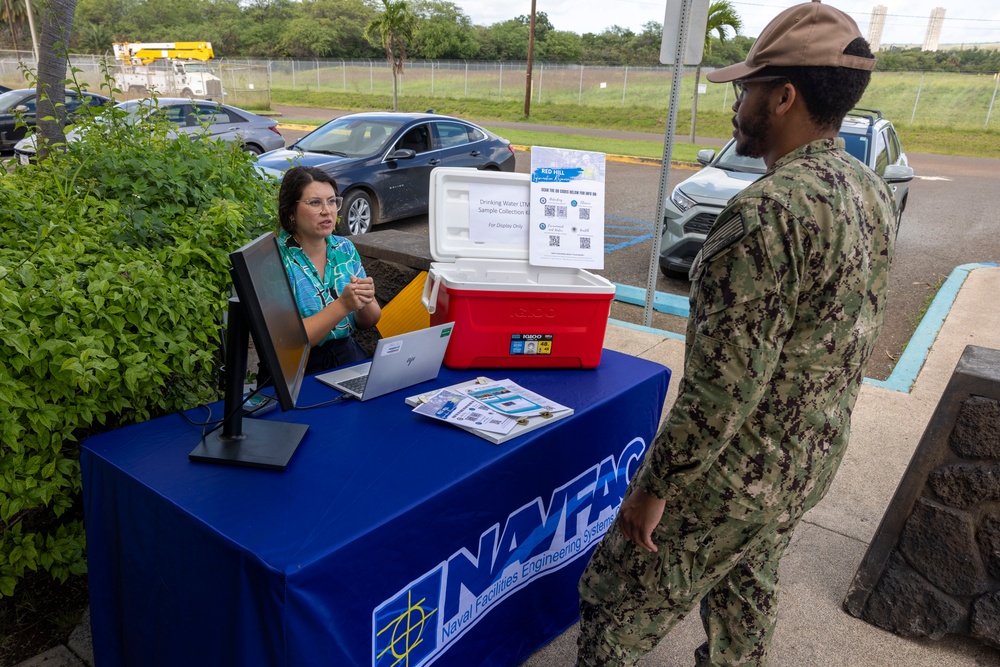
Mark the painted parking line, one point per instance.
(624, 235)
(904, 373)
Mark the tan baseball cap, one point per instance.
(810, 34)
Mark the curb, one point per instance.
(907, 367)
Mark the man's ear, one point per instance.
(784, 98)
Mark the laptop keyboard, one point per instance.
(356, 385)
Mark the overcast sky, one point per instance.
(965, 22)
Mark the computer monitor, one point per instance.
(265, 308)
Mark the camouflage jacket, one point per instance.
(787, 297)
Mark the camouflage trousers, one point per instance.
(631, 598)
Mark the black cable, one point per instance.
(215, 424)
(342, 397)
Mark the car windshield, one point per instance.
(730, 161)
(10, 99)
(350, 137)
(137, 110)
(856, 144)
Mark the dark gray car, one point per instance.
(22, 102)
(382, 162)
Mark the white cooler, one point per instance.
(507, 313)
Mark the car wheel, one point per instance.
(188, 93)
(676, 275)
(357, 216)
(138, 91)
(253, 149)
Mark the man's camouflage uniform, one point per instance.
(787, 299)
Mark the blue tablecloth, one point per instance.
(390, 539)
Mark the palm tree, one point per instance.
(393, 28)
(13, 13)
(721, 15)
(50, 110)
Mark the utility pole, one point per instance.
(531, 53)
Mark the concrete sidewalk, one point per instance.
(813, 629)
(888, 422)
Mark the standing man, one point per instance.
(787, 298)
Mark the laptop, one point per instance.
(399, 362)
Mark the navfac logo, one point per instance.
(428, 615)
(405, 628)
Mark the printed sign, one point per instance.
(429, 614)
(567, 208)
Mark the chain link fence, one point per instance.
(925, 98)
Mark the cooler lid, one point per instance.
(476, 214)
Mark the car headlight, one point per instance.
(681, 200)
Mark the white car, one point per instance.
(254, 133)
(695, 203)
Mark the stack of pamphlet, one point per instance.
(494, 410)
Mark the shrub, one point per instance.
(113, 284)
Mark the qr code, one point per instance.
(550, 211)
(553, 241)
(560, 211)
(584, 243)
(585, 214)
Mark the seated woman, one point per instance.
(334, 295)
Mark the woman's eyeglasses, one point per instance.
(317, 203)
(739, 85)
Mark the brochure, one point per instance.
(455, 405)
(509, 398)
(461, 410)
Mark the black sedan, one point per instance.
(382, 162)
(22, 101)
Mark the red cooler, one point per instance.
(507, 312)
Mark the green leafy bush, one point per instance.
(113, 284)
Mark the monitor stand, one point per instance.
(251, 442)
(262, 444)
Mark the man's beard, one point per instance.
(753, 131)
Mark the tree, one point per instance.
(53, 45)
(610, 47)
(507, 40)
(443, 30)
(560, 46)
(92, 37)
(721, 15)
(393, 29)
(14, 14)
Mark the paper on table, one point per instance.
(462, 410)
(509, 398)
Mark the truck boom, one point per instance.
(143, 53)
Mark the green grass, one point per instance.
(948, 110)
(683, 152)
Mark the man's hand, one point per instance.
(639, 515)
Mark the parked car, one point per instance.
(254, 133)
(695, 203)
(382, 162)
(22, 101)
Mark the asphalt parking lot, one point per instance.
(950, 220)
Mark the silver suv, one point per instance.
(695, 203)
